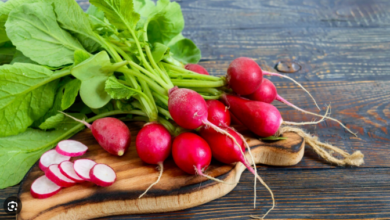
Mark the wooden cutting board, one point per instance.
(175, 191)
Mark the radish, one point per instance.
(191, 153)
(82, 168)
(51, 157)
(196, 68)
(43, 188)
(244, 76)
(111, 133)
(261, 118)
(226, 151)
(54, 174)
(66, 168)
(218, 113)
(153, 146)
(71, 148)
(267, 93)
(102, 175)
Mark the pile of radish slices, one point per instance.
(61, 172)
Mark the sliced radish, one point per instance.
(71, 148)
(66, 168)
(54, 174)
(43, 188)
(51, 157)
(82, 168)
(102, 175)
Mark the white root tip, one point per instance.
(161, 168)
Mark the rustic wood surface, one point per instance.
(343, 48)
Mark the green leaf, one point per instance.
(185, 51)
(159, 51)
(80, 56)
(119, 12)
(273, 138)
(117, 90)
(72, 18)
(96, 12)
(71, 91)
(144, 7)
(167, 23)
(19, 57)
(7, 52)
(34, 30)
(5, 9)
(93, 76)
(52, 122)
(26, 94)
(20, 152)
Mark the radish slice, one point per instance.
(71, 148)
(82, 168)
(51, 157)
(66, 168)
(43, 188)
(102, 175)
(54, 174)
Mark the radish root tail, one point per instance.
(280, 75)
(282, 100)
(308, 123)
(200, 173)
(78, 120)
(326, 150)
(161, 167)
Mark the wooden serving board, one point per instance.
(175, 191)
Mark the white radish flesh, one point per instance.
(71, 148)
(102, 175)
(66, 168)
(43, 188)
(51, 157)
(82, 168)
(54, 174)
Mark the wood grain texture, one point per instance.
(175, 191)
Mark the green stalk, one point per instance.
(161, 98)
(150, 75)
(150, 82)
(148, 93)
(164, 112)
(189, 72)
(165, 75)
(197, 83)
(167, 125)
(212, 91)
(211, 97)
(193, 76)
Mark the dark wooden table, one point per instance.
(343, 48)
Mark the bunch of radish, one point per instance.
(61, 172)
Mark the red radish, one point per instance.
(43, 188)
(102, 175)
(153, 146)
(82, 168)
(66, 168)
(71, 148)
(111, 133)
(267, 93)
(196, 68)
(235, 120)
(218, 113)
(54, 174)
(51, 157)
(244, 76)
(191, 153)
(261, 118)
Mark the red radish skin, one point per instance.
(218, 113)
(54, 174)
(244, 76)
(196, 68)
(111, 133)
(102, 175)
(261, 118)
(235, 120)
(43, 188)
(191, 153)
(265, 93)
(51, 157)
(153, 144)
(66, 168)
(71, 148)
(82, 168)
